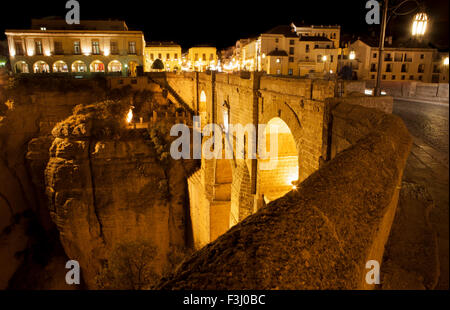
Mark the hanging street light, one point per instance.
(419, 24)
(419, 28)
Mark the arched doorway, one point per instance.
(281, 172)
(21, 67)
(97, 66)
(114, 66)
(79, 66)
(41, 67)
(60, 66)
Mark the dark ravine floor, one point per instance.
(417, 253)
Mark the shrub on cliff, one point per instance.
(131, 267)
(101, 120)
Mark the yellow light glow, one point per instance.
(12, 53)
(106, 52)
(419, 26)
(324, 58)
(294, 187)
(352, 55)
(446, 61)
(47, 53)
(130, 116)
(30, 53)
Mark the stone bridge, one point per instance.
(322, 213)
(225, 191)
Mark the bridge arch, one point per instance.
(286, 172)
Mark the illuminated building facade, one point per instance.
(53, 46)
(201, 58)
(168, 52)
(291, 50)
(419, 64)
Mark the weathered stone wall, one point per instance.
(383, 103)
(320, 236)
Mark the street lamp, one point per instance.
(352, 55)
(420, 24)
(418, 29)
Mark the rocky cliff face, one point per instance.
(22, 119)
(110, 192)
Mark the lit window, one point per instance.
(132, 47)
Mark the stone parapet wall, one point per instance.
(322, 235)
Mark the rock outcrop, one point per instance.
(111, 187)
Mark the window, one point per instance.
(290, 71)
(276, 40)
(403, 77)
(114, 48)
(436, 69)
(420, 77)
(195, 57)
(393, 77)
(168, 56)
(307, 48)
(422, 56)
(132, 48)
(372, 77)
(95, 47)
(76, 48)
(19, 48)
(211, 56)
(388, 68)
(388, 57)
(374, 55)
(404, 68)
(152, 56)
(58, 48)
(384, 77)
(38, 47)
(176, 56)
(160, 56)
(373, 67)
(421, 68)
(411, 77)
(331, 58)
(204, 57)
(319, 58)
(291, 59)
(291, 42)
(291, 51)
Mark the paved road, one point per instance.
(428, 166)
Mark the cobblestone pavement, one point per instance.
(421, 226)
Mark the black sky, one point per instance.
(220, 23)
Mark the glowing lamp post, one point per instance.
(418, 29)
(420, 24)
(352, 55)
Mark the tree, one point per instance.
(158, 65)
(130, 267)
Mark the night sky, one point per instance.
(221, 23)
